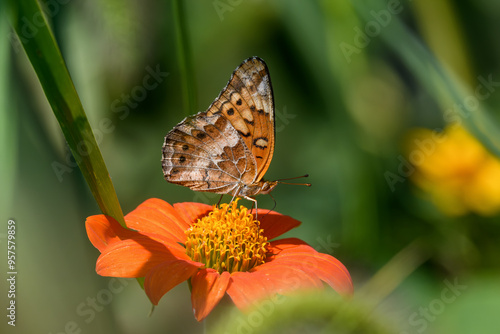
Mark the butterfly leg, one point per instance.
(220, 199)
(254, 203)
(234, 196)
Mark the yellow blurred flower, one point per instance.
(460, 175)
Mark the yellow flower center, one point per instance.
(228, 239)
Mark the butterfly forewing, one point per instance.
(232, 143)
(247, 101)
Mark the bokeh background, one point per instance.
(351, 80)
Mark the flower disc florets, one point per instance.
(227, 239)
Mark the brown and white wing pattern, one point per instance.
(231, 145)
(248, 102)
(205, 153)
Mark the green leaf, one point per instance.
(8, 122)
(30, 24)
(184, 58)
(448, 90)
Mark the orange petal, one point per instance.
(158, 217)
(103, 230)
(191, 211)
(208, 289)
(136, 257)
(294, 252)
(167, 275)
(275, 224)
(293, 265)
(247, 288)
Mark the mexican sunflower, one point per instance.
(455, 170)
(218, 249)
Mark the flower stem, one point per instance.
(390, 276)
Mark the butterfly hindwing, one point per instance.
(205, 153)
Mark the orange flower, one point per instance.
(220, 249)
(455, 169)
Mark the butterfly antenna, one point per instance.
(274, 206)
(275, 203)
(293, 178)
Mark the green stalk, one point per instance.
(448, 90)
(184, 58)
(8, 123)
(394, 272)
(30, 24)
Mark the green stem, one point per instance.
(442, 31)
(390, 276)
(184, 58)
(8, 121)
(29, 23)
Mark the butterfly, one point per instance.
(228, 148)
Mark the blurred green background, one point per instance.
(349, 78)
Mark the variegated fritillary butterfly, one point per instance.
(228, 148)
